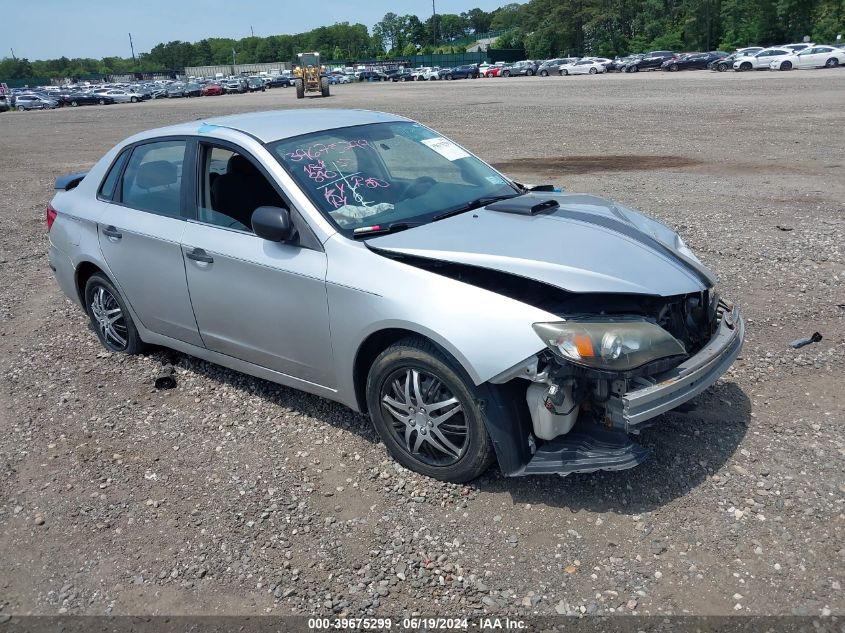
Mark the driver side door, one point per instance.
(259, 301)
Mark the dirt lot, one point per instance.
(233, 495)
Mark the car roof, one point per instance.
(275, 125)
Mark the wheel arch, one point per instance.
(84, 270)
(375, 343)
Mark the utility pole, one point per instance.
(251, 31)
(132, 48)
(13, 54)
(233, 60)
(433, 25)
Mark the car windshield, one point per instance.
(386, 173)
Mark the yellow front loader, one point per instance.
(310, 76)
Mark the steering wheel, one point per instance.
(419, 186)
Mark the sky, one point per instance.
(47, 29)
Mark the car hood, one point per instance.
(586, 244)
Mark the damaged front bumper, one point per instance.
(663, 392)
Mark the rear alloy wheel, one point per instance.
(786, 66)
(544, 73)
(565, 73)
(634, 69)
(506, 73)
(673, 68)
(74, 104)
(831, 63)
(102, 102)
(593, 71)
(427, 413)
(745, 66)
(529, 72)
(21, 109)
(109, 316)
(134, 99)
(721, 67)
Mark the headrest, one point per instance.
(239, 165)
(156, 173)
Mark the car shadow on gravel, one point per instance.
(687, 448)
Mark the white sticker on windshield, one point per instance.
(446, 148)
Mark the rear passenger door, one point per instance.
(140, 233)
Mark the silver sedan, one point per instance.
(365, 258)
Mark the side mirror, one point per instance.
(273, 224)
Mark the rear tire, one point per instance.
(721, 67)
(506, 73)
(430, 376)
(831, 63)
(565, 73)
(74, 104)
(544, 73)
(300, 89)
(324, 86)
(634, 69)
(673, 68)
(593, 71)
(529, 73)
(786, 66)
(134, 99)
(110, 318)
(745, 66)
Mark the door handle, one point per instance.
(112, 232)
(199, 255)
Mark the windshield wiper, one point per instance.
(474, 204)
(382, 229)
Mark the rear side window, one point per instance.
(110, 183)
(153, 178)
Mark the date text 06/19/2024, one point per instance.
(418, 624)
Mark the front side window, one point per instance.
(386, 172)
(231, 189)
(153, 178)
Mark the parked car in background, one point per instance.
(121, 96)
(402, 74)
(495, 71)
(235, 86)
(525, 68)
(371, 75)
(74, 99)
(552, 66)
(212, 90)
(5, 106)
(467, 71)
(279, 81)
(761, 60)
(34, 102)
(813, 57)
(193, 90)
(604, 61)
(583, 67)
(473, 336)
(175, 91)
(747, 51)
(692, 61)
(255, 84)
(724, 63)
(649, 61)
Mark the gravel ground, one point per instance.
(233, 495)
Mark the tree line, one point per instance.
(543, 28)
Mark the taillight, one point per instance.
(51, 216)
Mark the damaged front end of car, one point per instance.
(606, 374)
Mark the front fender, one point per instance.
(487, 333)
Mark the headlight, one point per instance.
(614, 345)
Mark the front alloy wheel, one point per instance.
(427, 412)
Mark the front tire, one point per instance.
(634, 69)
(134, 99)
(544, 73)
(300, 89)
(786, 66)
(110, 318)
(593, 71)
(427, 412)
(745, 66)
(721, 67)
